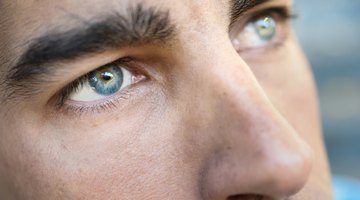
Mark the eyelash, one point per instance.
(281, 13)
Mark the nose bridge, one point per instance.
(260, 152)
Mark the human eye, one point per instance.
(264, 29)
(100, 88)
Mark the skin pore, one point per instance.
(211, 110)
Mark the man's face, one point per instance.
(156, 99)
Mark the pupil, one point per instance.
(106, 76)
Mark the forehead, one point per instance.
(67, 12)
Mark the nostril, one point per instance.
(246, 197)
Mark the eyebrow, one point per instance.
(139, 26)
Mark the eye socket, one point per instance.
(101, 83)
(263, 30)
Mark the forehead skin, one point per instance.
(195, 131)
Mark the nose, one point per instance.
(258, 151)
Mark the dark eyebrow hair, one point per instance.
(241, 6)
(139, 26)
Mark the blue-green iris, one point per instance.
(265, 27)
(106, 80)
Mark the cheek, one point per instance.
(129, 164)
(119, 157)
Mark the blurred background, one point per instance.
(329, 31)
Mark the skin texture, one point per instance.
(210, 123)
